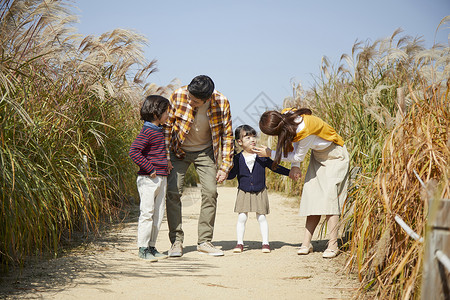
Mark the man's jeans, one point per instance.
(206, 169)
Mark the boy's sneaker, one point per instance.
(239, 248)
(265, 248)
(155, 253)
(145, 253)
(176, 250)
(209, 249)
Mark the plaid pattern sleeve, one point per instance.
(167, 128)
(181, 117)
(221, 130)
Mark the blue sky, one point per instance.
(254, 47)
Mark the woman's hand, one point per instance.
(263, 151)
(295, 173)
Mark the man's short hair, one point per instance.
(201, 87)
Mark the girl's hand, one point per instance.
(153, 175)
(263, 151)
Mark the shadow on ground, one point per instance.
(89, 266)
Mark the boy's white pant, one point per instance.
(152, 193)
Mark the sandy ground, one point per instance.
(109, 267)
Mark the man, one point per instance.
(197, 131)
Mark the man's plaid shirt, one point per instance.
(181, 117)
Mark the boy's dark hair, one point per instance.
(245, 130)
(153, 107)
(201, 87)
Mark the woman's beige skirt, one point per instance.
(326, 182)
(252, 202)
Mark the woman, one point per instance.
(325, 187)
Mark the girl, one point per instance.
(252, 193)
(325, 187)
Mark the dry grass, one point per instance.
(68, 113)
(389, 100)
(385, 257)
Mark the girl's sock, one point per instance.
(264, 226)
(240, 227)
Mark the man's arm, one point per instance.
(227, 144)
(167, 128)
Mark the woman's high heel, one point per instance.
(303, 250)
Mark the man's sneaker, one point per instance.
(239, 248)
(155, 253)
(209, 249)
(176, 250)
(145, 253)
(265, 248)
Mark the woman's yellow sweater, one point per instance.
(316, 126)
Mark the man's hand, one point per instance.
(169, 166)
(221, 176)
(295, 173)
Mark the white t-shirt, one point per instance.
(302, 147)
(250, 161)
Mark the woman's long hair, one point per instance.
(284, 126)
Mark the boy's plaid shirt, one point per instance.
(181, 117)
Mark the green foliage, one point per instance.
(68, 115)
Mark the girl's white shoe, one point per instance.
(328, 253)
(303, 250)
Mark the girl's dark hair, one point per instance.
(201, 87)
(153, 107)
(244, 130)
(284, 126)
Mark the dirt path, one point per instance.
(110, 269)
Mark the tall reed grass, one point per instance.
(387, 260)
(390, 101)
(68, 113)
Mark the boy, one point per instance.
(148, 151)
